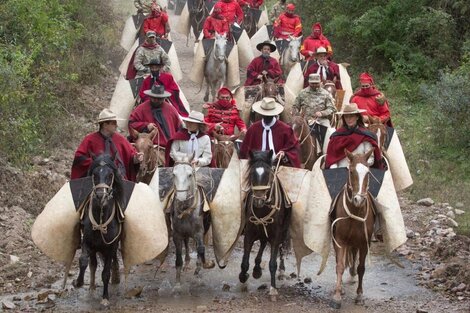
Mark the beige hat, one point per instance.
(314, 78)
(194, 117)
(322, 50)
(107, 115)
(350, 108)
(267, 107)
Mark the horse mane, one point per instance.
(107, 160)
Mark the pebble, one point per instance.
(459, 212)
(459, 205)
(14, 259)
(451, 214)
(307, 280)
(30, 274)
(425, 202)
(410, 233)
(8, 305)
(421, 311)
(226, 287)
(452, 222)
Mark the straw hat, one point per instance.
(194, 117)
(267, 107)
(321, 50)
(107, 115)
(157, 91)
(266, 43)
(350, 108)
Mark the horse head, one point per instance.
(358, 181)
(377, 127)
(269, 87)
(220, 47)
(293, 49)
(106, 177)
(260, 176)
(299, 125)
(152, 158)
(330, 87)
(184, 178)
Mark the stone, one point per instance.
(226, 287)
(201, 308)
(433, 222)
(461, 287)
(410, 233)
(8, 305)
(459, 205)
(451, 214)
(263, 287)
(307, 280)
(14, 259)
(421, 311)
(425, 202)
(452, 222)
(459, 212)
(134, 292)
(30, 274)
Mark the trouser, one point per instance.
(320, 132)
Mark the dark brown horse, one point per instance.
(198, 12)
(308, 141)
(154, 155)
(267, 216)
(223, 149)
(353, 216)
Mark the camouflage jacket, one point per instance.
(277, 9)
(144, 55)
(311, 102)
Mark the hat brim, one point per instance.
(165, 94)
(192, 120)
(258, 109)
(107, 119)
(260, 46)
(314, 81)
(358, 111)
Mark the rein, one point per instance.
(194, 196)
(309, 135)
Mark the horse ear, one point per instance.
(153, 134)
(134, 133)
(349, 155)
(270, 154)
(252, 155)
(368, 153)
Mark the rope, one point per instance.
(103, 227)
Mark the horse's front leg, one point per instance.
(206, 96)
(361, 268)
(83, 264)
(247, 245)
(105, 277)
(273, 268)
(179, 258)
(187, 258)
(115, 277)
(257, 271)
(93, 265)
(340, 260)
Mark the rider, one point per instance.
(271, 134)
(277, 9)
(158, 113)
(315, 41)
(354, 137)
(216, 23)
(254, 4)
(231, 10)
(144, 6)
(157, 21)
(263, 65)
(157, 77)
(149, 50)
(287, 24)
(317, 105)
(189, 140)
(106, 140)
(223, 115)
(369, 98)
(328, 70)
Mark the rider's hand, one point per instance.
(310, 53)
(280, 155)
(260, 76)
(218, 127)
(318, 114)
(151, 126)
(264, 73)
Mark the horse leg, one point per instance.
(247, 245)
(361, 268)
(187, 258)
(93, 265)
(83, 264)
(282, 267)
(272, 269)
(115, 277)
(352, 265)
(257, 272)
(179, 258)
(340, 260)
(105, 276)
(206, 96)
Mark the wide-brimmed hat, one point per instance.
(155, 62)
(321, 50)
(107, 115)
(157, 91)
(268, 107)
(266, 43)
(194, 117)
(350, 108)
(314, 78)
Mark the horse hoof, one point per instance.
(115, 280)
(77, 284)
(273, 291)
(243, 277)
(257, 273)
(177, 289)
(104, 303)
(92, 287)
(186, 268)
(359, 300)
(209, 264)
(335, 304)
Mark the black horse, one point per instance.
(198, 12)
(268, 214)
(102, 223)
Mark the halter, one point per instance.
(194, 196)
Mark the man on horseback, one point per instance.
(158, 113)
(271, 134)
(157, 77)
(371, 100)
(264, 65)
(106, 140)
(317, 105)
(190, 140)
(328, 70)
(223, 115)
(287, 24)
(157, 21)
(354, 137)
(231, 10)
(315, 41)
(150, 50)
(277, 9)
(216, 23)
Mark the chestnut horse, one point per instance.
(308, 141)
(223, 149)
(154, 155)
(377, 127)
(353, 215)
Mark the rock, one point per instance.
(461, 298)
(461, 287)
(410, 233)
(452, 222)
(134, 292)
(421, 311)
(451, 214)
(439, 271)
(293, 275)
(425, 202)
(433, 222)
(30, 274)
(201, 308)
(226, 287)
(263, 287)
(8, 305)
(459, 205)
(307, 280)
(14, 259)
(459, 212)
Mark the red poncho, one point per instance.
(214, 25)
(284, 139)
(156, 22)
(332, 72)
(229, 117)
(143, 115)
(259, 64)
(366, 99)
(231, 10)
(94, 145)
(287, 24)
(313, 42)
(350, 139)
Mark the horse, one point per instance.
(353, 215)
(198, 12)
(267, 217)
(154, 155)
(250, 20)
(102, 224)
(187, 216)
(290, 55)
(215, 70)
(308, 141)
(377, 127)
(223, 149)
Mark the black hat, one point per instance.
(266, 43)
(157, 91)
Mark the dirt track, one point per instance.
(386, 287)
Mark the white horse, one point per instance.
(215, 70)
(291, 55)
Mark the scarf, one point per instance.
(367, 92)
(268, 143)
(150, 45)
(322, 70)
(160, 118)
(193, 144)
(114, 153)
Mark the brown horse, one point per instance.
(308, 141)
(377, 127)
(223, 149)
(353, 218)
(154, 155)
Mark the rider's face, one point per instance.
(314, 86)
(266, 50)
(351, 119)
